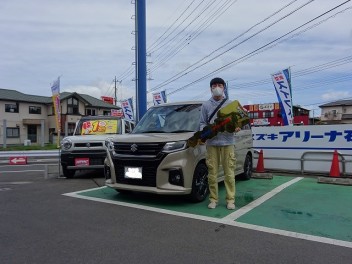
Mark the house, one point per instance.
(25, 117)
(270, 115)
(338, 112)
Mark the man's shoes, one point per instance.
(212, 205)
(231, 206)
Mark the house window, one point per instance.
(253, 115)
(90, 112)
(12, 132)
(269, 114)
(72, 106)
(35, 110)
(71, 128)
(11, 108)
(107, 113)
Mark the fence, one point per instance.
(47, 161)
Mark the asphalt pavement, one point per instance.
(40, 225)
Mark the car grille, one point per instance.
(90, 153)
(88, 144)
(138, 149)
(149, 167)
(96, 161)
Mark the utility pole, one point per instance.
(141, 69)
(115, 90)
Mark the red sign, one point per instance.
(18, 160)
(81, 161)
(117, 112)
(108, 99)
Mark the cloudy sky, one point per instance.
(189, 42)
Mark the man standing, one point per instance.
(219, 148)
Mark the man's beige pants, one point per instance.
(225, 156)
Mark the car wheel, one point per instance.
(124, 192)
(200, 188)
(247, 168)
(68, 173)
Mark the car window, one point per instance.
(170, 119)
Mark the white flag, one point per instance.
(282, 84)
(127, 109)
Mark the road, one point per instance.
(40, 225)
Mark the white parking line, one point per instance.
(245, 209)
(226, 220)
(21, 171)
(16, 183)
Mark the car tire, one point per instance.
(124, 192)
(200, 188)
(247, 168)
(68, 173)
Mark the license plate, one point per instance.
(82, 162)
(133, 172)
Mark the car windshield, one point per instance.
(170, 119)
(98, 127)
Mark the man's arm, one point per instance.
(203, 117)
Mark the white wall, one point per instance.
(310, 142)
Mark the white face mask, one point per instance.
(217, 91)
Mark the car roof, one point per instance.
(180, 103)
(99, 117)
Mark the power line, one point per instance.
(203, 24)
(250, 54)
(160, 39)
(194, 66)
(299, 73)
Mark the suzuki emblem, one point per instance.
(134, 147)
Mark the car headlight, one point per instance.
(109, 144)
(175, 146)
(66, 144)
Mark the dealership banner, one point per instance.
(127, 109)
(159, 98)
(282, 84)
(55, 89)
(116, 112)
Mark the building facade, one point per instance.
(270, 115)
(338, 112)
(29, 118)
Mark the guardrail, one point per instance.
(49, 160)
(302, 161)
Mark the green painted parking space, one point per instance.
(246, 192)
(307, 207)
(286, 205)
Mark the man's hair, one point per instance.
(217, 80)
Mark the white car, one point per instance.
(85, 150)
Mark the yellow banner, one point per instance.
(56, 103)
(99, 127)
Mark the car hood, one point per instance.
(152, 137)
(89, 138)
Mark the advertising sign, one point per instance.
(18, 160)
(127, 109)
(55, 89)
(99, 127)
(290, 148)
(159, 98)
(282, 84)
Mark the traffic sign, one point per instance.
(18, 160)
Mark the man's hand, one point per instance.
(200, 142)
(237, 129)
